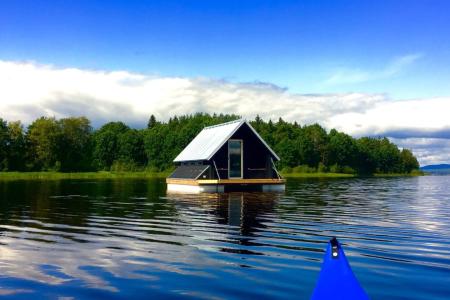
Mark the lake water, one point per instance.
(117, 239)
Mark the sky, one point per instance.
(377, 68)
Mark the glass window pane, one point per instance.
(234, 156)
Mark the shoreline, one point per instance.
(4, 176)
(79, 175)
(317, 175)
(345, 175)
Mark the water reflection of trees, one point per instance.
(84, 225)
(76, 202)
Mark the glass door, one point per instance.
(235, 159)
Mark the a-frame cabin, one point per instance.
(226, 157)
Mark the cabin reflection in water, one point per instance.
(243, 212)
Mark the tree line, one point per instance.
(72, 145)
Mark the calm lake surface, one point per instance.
(117, 239)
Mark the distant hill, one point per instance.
(441, 169)
(436, 167)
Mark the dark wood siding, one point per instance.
(256, 157)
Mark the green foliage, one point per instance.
(367, 158)
(348, 170)
(342, 149)
(315, 139)
(44, 141)
(70, 144)
(409, 162)
(164, 141)
(388, 157)
(58, 145)
(5, 176)
(151, 169)
(16, 147)
(106, 144)
(76, 144)
(321, 168)
(335, 168)
(378, 155)
(4, 141)
(304, 169)
(122, 165)
(417, 172)
(286, 170)
(151, 122)
(131, 147)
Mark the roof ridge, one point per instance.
(208, 142)
(226, 123)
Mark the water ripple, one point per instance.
(128, 239)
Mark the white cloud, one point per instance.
(417, 118)
(29, 90)
(352, 76)
(429, 150)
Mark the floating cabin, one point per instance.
(226, 157)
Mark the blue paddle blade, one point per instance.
(336, 278)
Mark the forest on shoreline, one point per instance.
(73, 145)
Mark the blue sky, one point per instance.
(299, 45)
(378, 68)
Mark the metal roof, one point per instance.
(211, 139)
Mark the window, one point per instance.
(235, 159)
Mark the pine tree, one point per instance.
(151, 122)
